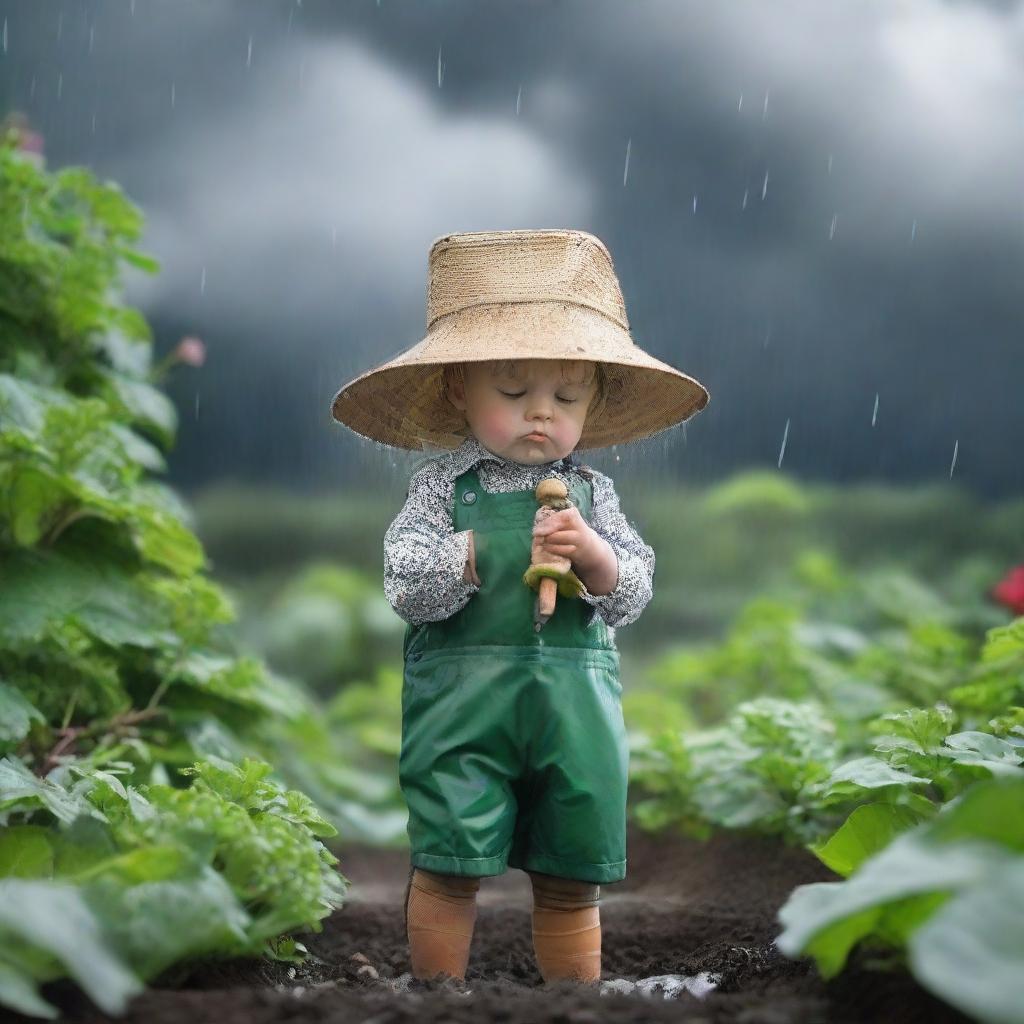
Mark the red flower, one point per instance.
(1010, 590)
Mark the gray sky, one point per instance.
(824, 201)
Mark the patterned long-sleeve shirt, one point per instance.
(425, 559)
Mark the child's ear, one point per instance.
(455, 387)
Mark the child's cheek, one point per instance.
(498, 425)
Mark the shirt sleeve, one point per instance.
(635, 584)
(424, 558)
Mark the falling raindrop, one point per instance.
(5, 35)
(739, 106)
(94, 122)
(197, 405)
(764, 113)
(440, 70)
(291, 14)
(764, 186)
(695, 204)
(248, 56)
(746, 192)
(874, 414)
(172, 94)
(832, 229)
(625, 170)
(202, 282)
(519, 97)
(782, 450)
(132, 5)
(956, 447)
(60, 25)
(913, 230)
(60, 84)
(684, 433)
(92, 36)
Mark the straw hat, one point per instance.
(524, 294)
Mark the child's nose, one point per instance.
(540, 408)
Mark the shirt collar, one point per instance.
(471, 452)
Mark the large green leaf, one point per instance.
(826, 919)
(870, 773)
(971, 952)
(53, 918)
(896, 890)
(16, 715)
(143, 404)
(867, 830)
(155, 923)
(26, 852)
(983, 750)
(43, 588)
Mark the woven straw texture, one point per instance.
(523, 294)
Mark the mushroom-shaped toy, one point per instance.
(550, 575)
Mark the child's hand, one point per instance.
(568, 534)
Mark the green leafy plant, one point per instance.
(946, 898)
(116, 658)
(151, 875)
(762, 771)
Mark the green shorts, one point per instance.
(515, 757)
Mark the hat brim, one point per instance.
(402, 402)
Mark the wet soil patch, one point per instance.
(687, 907)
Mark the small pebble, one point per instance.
(367, 971)
(360, 957)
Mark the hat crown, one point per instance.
(547, 293)
(478, 268)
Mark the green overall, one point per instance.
(514, 750)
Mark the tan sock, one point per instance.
(566, 928)
(440, 916)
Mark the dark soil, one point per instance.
(686, 907)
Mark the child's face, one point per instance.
(506, 404)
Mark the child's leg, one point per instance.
(440, 914)
(566, 928)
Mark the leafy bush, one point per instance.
(795, 762)
(151, 875)
(115, 653)
(920, 807)
(945, 897)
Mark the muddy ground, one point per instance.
(686, 907)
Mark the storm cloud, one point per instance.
(820, 219)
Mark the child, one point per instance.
(513, 746)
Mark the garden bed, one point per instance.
(687, 907)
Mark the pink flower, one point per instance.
(190, 351)
(1010, 590)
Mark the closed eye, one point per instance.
(519, 394)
